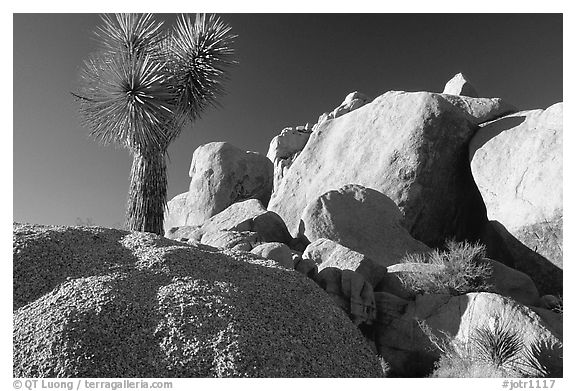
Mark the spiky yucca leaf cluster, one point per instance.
(128, 101)
(495, 349)
(497, 343)
(198, 56)
(126, 97)
(137, 34)
(142, 85)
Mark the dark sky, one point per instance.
(292, 68)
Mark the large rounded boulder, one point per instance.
(363, 220)
(221, 174)
(412, 147)
(95, 302)
(516, 162)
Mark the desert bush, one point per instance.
(458, 270)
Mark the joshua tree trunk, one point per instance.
(147, 196)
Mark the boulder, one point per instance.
(512, 283)
(328, 253)
(363, 220)
(176, 212)
(482, 109)
(459, 85)
(505, 247)
(353, 101)
(96, 302)
(233, 240)
(307, 267)
(284, 148)
(222, 174)
(278, 252)
(401, 341)
(409, 146)
(247, 215)
(516, 162)
(503, 280)
(186, 233)
(350, 292)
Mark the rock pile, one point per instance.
(295, 264)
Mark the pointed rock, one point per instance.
(459, 85)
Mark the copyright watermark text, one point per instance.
(88, 384)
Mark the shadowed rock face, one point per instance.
(516, 162)
(412, 147)
(459, 85)
(95, 302)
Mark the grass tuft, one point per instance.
(458, 270)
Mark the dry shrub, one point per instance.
(459, 270)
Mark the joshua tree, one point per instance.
(142, 86)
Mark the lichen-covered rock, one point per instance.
(95, 302)
(411, 147)
(221, 174)
(327, 253)
(363, 220)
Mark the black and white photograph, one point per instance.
(258, 194)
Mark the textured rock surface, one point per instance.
(327, 253)
(517, 164)
(482, 109)
(402, 343)
(247, 215)
(232, 240)
(176, 212)
(459, 85)
(222, 174)
(278, 252)
(95, 302)
(352, 101)
(284, 148)
(412, 147)
(351, 292)
(363, 220)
